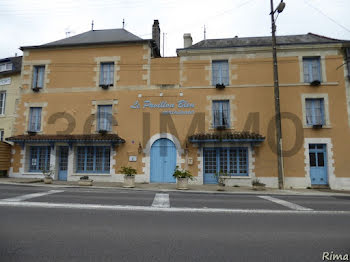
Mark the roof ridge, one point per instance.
(325, 37)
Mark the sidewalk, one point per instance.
(172, 187)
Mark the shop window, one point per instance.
(35, 119)
(39, 158)
(232, 161)
(93, 159)
(38, 77)
(106, 74)
(312, 69)
(104, 117)
(220, 72)
(221, 113)
(314, 111)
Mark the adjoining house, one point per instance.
(97, 101)
(10, 82)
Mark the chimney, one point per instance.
(156, 33)
(187, 40)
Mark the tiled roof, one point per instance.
(309, 38)
(107, 36)
(16, 65)
(71, 138)
(226, 136)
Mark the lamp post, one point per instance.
(279, 9)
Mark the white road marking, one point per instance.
(167, 209)
(286, 203)
(29, 196)
(161, 200)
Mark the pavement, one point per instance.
(209, 189)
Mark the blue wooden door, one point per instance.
(318, 164)
(163, 161)
(62, 163)
(210, 165)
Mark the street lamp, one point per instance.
(279, 9)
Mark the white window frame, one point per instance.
(327, 122)
(2, 102)
(6, 67)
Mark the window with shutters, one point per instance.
(38, 76)
(314, 111)
(35, 119)
(104, 117)
(220, 72)
(107, 74)
(221, 113)
(312, 69)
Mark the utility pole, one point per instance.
(123, 23)
(92, 25)
(205, 32)
(277, 97)
(163, 44)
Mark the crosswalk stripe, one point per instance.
(29, 196)
(286, 203)
(161, 200)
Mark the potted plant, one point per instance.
(129, 176)
(220, 177)
(182, 177)
(85, 181)
(47, 172)
(103, 131)
(257, 185)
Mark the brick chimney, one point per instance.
(187, 40)
(156, 33)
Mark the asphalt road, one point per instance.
(79, 231)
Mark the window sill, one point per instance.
(28, 173)
(323, 127)
(236, 177)
(92, 174)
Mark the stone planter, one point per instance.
(85, 182)
(129, 181)
(48, 180)
(259, 187)
(182, 183)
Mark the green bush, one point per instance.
(128, 170)
(182, 173)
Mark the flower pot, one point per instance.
(182, 183)
(129, 181)
(48, 180)
(85, 182)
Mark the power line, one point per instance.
(330, 18)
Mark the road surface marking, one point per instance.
(167, 209)
(286, 203)
(29, 196)
(161, 200)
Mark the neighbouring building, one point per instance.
(104, 99)
(10, 82)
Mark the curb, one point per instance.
(266, 192)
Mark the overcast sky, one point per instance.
(35, 22)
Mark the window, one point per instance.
(2, 102)
(34, 119)
(2, 133)
(38, 77)
(39, 158)
(104, 117)
(5, 67)
(314, 111)
(220, 72)
(107, 74)
(312, 69)
(233, 161)
(93, 159)
(221, 113)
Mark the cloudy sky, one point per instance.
(34, 22)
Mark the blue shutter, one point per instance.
(104, 116)
(102, 74)
(35, 77)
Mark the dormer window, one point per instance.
(5, 67)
